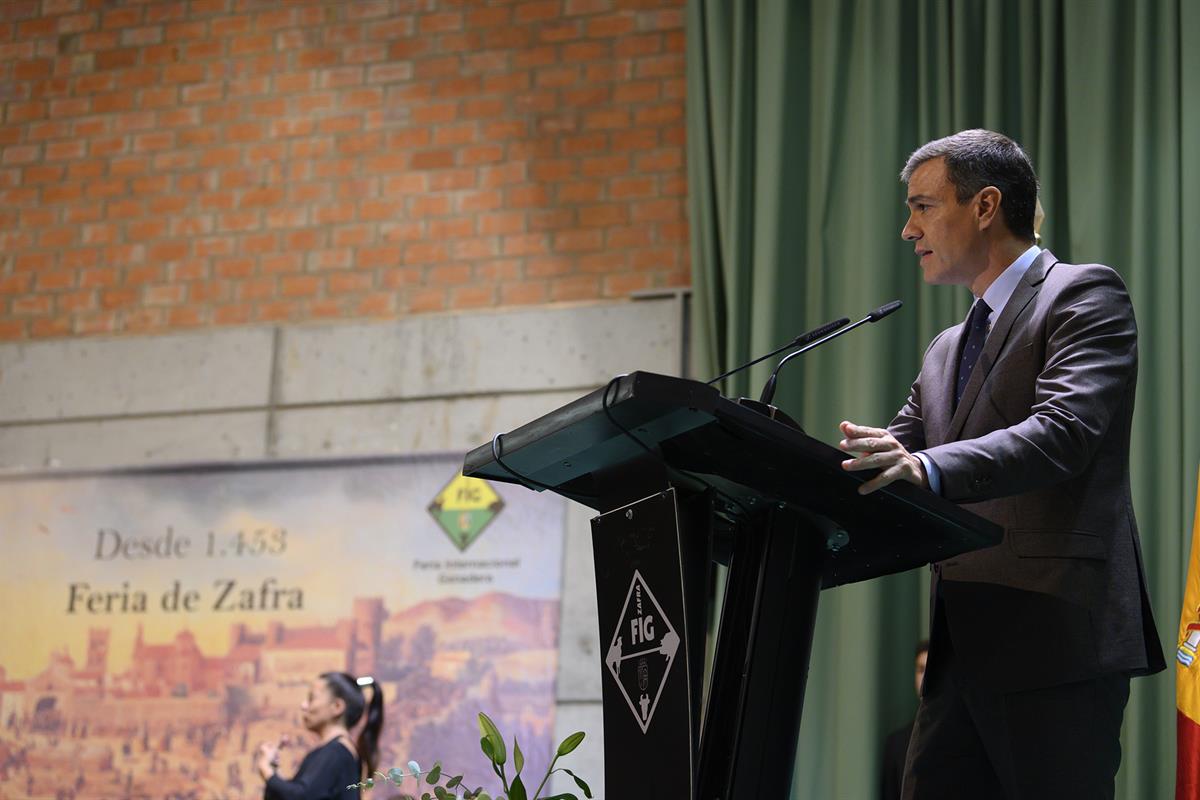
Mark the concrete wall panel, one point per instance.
(579, 669)
(135, 441)
(411, 426)
(588, 760)
(121, 377)
(502, 351)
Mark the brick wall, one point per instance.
(168, 165)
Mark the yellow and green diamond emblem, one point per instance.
(464, 507)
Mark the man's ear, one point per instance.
(987, 207)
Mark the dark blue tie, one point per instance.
(977, 330)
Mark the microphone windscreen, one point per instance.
(822, 331)
(884, 310)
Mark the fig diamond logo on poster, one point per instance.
(464, 507)
(642, 651)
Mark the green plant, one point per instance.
(492, 744)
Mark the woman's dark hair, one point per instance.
(345, 687)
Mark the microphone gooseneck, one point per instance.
(799, 341)
(768, 391)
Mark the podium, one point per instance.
(683, 477)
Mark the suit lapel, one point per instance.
(1026, 290)
(943, 404)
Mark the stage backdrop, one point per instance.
(156, 625)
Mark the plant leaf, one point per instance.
(396, 774)
(587, 791)
(517, 790)
(570, 743)
(518, 756)
(486, 747)
(440, 793)
(434, 774)
(489, 729)
(455, 781)
(567, 796)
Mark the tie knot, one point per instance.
(980, 313)
(977, 330)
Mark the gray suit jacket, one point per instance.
(1039, 444)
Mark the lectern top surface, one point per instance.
(750, 461)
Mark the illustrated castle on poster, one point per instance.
(178, 720)
(281, 655)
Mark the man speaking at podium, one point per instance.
(1022, 414)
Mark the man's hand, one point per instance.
(875, 448)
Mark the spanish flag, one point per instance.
(1187, 677)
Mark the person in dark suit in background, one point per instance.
(895, 746)
(1022, 413)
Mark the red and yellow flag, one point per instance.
(1187, 677)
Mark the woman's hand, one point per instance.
(266, 759)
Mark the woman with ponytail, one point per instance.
(335, 705)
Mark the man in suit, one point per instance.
(1021, 413)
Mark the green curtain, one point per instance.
(800, 115)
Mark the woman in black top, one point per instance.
(335, 704)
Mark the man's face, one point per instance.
(922, 657)
(946, 234)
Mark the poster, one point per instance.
(156, 625)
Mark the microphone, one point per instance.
(883, 311)
(799, 341)
(768, 391)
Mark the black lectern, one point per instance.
(683, 476)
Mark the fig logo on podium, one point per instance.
(464, 507)
(645, 637)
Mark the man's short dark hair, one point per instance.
(979, 158)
